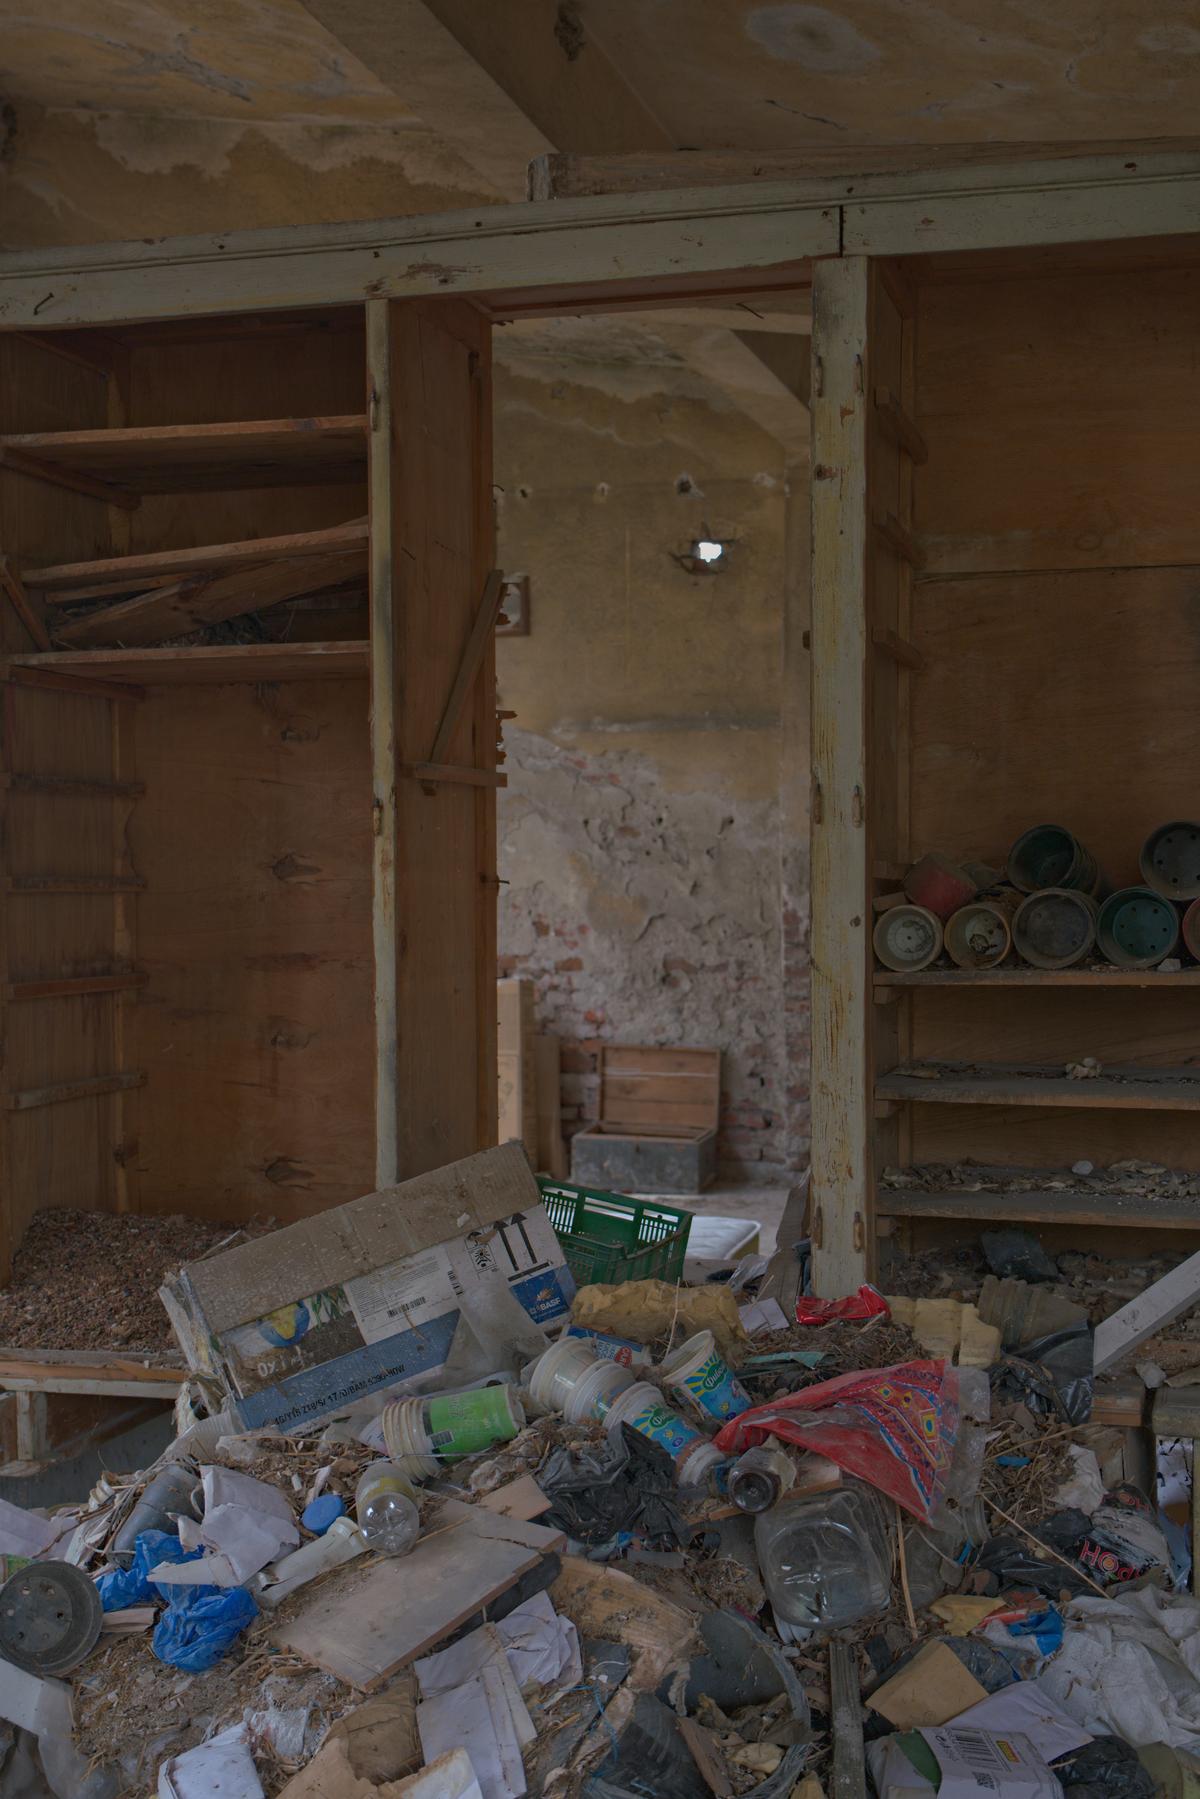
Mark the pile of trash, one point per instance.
(436, 1526)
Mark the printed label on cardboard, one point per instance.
(405, 1294)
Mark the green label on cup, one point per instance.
(462, 1423)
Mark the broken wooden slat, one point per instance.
(208, 599)
(1151, 1311)
(329, 542)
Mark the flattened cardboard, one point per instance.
(375, 1293)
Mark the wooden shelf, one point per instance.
(951, 1084)
(70, 581)
(1040, 1208)
(211, 662)
(945, 978)
(187, 458)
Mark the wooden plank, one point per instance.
(367, 1626)
(463, 777)
(1160, 1305)
(432, 476)
(383, 454)
(841, 1098)
(46, 884)
(551, 1149)
(706, 1753)
(175, 458)
(209, 599)
(492, 1525)
(64, 787)
(332, 541)
(1141, 1089)
(898, 648)
(66, 1092)
(898, 537)
(497, 249)
(209, 662)
(469, 666)
(51, 679)
(1120, 1400)
(949, 979)
(895, 423)
(566, 175)
(849, 1773)
(521, 1498)
(96, 983)
(19, 600)
(1042, 1207)
(35, 468)
(254, 840)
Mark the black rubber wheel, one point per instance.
(50, 1617)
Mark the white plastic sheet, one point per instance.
(1130, 1666)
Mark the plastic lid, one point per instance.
(320, 1514)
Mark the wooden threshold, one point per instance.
(210, 662)
(184, 458)
(944, 978)
(1036, 1207)
(1001, 1084)
(74, 1371)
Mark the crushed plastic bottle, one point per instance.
(826, 1558)
(386, 1510)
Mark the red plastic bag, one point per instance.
(894, 1427)
(868, 1302)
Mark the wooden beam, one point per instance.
(841, 1096)
(472, 659)
(564, 175)
(21, 605)
(435, 882)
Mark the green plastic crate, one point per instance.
(609, 1239)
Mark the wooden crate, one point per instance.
(657, 1128)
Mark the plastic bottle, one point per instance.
(386, 1510)
(826, 1559)
(760, 1478)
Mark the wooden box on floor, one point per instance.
(657, 1127)
(1005, 633)
(247, 960)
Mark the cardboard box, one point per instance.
(440, 1274)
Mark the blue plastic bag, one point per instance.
(131, 1586)
(200, 1624)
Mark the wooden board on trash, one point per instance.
(499, 1527)
(521, 1498)
(376, 1621)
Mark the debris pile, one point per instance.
(435, 1526)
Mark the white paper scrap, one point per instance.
(223, 1765)
(25, 1533)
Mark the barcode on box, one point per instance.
(977, 1749)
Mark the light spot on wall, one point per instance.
(813, 37)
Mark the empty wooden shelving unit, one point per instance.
(228, 900)
(1010, 499)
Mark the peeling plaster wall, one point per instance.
(92, 177)
(640, 831)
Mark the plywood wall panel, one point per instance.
(1060, 414)
(254, 931)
